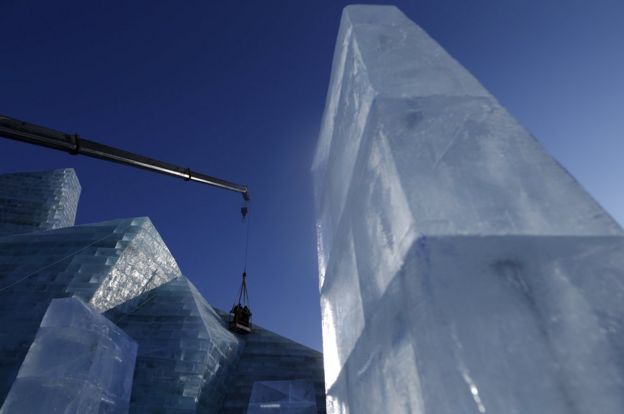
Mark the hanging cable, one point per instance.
(248, 225)
(243, 296)
(241, 314)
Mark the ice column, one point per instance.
(461, 268)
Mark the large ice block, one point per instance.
(80, 362)
(461, 268)
(421, 136)
(104, 264)
(36, 201)
(278, 363)
(185, 350)
(288, 397)
(188, 361)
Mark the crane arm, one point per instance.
(34, 134)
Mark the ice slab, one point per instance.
(406, 127)
(484, 324)
(103, 263)
(461, 268)
(188, 361)
(185, 351)
(269, 357)
(285, 397)
(38, 201)
(79, 362)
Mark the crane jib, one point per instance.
(72, 143)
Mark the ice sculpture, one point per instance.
(461, 268)
(104, 264)
(296, 397)
(35, 201)
(189, 361)
(270, 358)
(80, 362)
(185, 350)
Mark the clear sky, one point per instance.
(236, 89)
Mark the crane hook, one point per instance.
(245, 208)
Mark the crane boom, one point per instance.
(72, 143)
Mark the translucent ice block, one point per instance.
(276, 362)
(37, 201)
(461, 268)
(285, 397)
(79, 362)
(103, 263)
(407, 128)
(185, 350)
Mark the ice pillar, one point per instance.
(461, 268)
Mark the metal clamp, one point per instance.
(75, 141)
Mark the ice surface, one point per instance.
(185, 351)
(187, 359)
(284, 397)
(104, 264)
(461, 268)
(425, 138)
(513, 324)
(267, 356)
(36, 201)
(79, 362)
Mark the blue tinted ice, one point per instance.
(461, 268)
(268, 357)
(187, 359)
(283, 397)
(185, 350)
(79, 362)
(36, 201)
(104, 264)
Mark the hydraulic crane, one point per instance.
(74, 144)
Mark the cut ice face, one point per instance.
(461, 268)
(78, 362)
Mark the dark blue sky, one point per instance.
(236, 89)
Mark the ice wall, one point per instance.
(80, 362)
(188, 361)
(279, 363)
(185, 351)
(104, 264)
(283, 397)
(461, 268)
(36, 201)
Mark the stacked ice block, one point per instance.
(104, 264)
(36, 201)
(292, 397)
(163, 348)
(185, 351)
(270, 360)
(461, 268)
